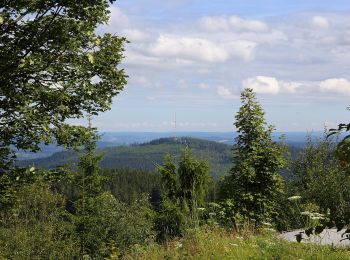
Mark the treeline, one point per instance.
(128, 185)
(146, 157)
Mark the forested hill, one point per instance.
(147, 156)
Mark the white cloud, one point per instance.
(138, 59)
(197, 124)
(200, 49)
(290, 87)
(225, 93)
(118, 18)
(182, 83)
(196, 48)
(121, 24)
(270, 85)
(135, 35)
(320, 22)
(203, 86)
(143, 81)
(203, 71)
(338, 86)
(232, 23)
(262, 84)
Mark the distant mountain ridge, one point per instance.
(111, 139)
(147, 156)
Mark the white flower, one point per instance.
(178, 245)
(315, 218)
(294, 198)
(269, 229)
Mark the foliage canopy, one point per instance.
(54, 67)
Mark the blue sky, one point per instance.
(193, 57)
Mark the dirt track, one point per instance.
(327, 237)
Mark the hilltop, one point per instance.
(147, 156)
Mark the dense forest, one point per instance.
(147, 156)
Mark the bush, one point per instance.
(38, 226)
(318, 177)
(170, 222)
(108, 225)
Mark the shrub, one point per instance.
(38, 226)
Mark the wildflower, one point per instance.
(213, 204)
(294, 198)
(316, 217)
(178, 245)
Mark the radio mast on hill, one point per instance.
(175, 128)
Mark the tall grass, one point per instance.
(217, 243)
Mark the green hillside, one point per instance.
(147, 156)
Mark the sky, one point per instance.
(192, 58)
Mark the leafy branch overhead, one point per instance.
(343, 147)
(54, 67)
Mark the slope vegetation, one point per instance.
(147, 156)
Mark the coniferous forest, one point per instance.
(171, 198)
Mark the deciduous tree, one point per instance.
(54, 67)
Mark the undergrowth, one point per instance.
(208, 243)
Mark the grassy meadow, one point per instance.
(216, 243)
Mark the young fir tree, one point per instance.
(186, 183)
(254, 181)
(90, 187)
(184, 189)
(193, 178)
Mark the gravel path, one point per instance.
(327, 237)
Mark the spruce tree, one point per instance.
(90, 187)
(254, 182)
(184, 190)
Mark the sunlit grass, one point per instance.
(218, 244)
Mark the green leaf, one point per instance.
(22, 64)
(319, 229)
(339, 226)
(299, 237)
(1, 20)
(91, 57)
(309, 231)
